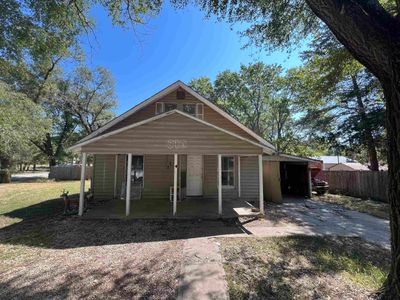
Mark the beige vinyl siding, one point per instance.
(121, 175)
(158, 176)
(155, 138)
(210, 115)
(103, 176)
(249, 177)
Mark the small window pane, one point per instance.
(137, 169)
(224, 178)
(227, 172)
(159, 108)
(190, 109)
(169, 106)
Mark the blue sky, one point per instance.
(176, 44)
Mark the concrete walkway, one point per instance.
(203, 275)
(304, 216)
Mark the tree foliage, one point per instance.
(20, 122)
(258, 95)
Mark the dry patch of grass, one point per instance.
(301, 267)
(59, 258)
(372, 207)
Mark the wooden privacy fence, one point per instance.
(363, 184)
(69, 172)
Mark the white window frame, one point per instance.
(234, 171)
(200, 115)
(162, 107)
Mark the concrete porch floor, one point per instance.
(162, 208)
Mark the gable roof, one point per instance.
(175, 111)
(166, 91)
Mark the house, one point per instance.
(349, 166)
(179, 146)
(332, 160)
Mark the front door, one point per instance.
(194, 175)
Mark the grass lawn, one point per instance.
(24, 200)
(372, 207)
(303, 267)
(45, 255)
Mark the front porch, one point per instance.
(202, 208)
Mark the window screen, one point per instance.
(169, 106)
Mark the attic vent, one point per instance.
(180, 94)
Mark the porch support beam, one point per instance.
(82, 189)
(261, 183)
(115, 175)
(175, 183)
(219, 185)
(128, 185)
(239, 182)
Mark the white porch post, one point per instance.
(82, 190)
(219, 185)
(239, 183)
(261, 182)
(309, 183)
(175, 183)
(128, 185)
(115, 175)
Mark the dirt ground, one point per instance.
(68, 258)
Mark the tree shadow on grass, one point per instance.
(304, 267)
(76, 277)
(43, 225)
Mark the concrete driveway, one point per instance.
(305, 216)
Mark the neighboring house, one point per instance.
(332, 160)
(352, 166)
(179, 141)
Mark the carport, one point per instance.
(287, 175)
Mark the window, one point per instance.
(199, 110)
(228, 171)
(169, 106)
(190, 109)
(159, 108)
(137, 174)
(194, 109)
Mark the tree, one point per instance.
(370, 31)
(80, 101)
(333, 87)
(20, 122)
(258, 95)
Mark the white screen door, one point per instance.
(194, 175)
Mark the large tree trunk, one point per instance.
(391, 289)
(372, 36)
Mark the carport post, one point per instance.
(175, 183)
(82, 190)
(219, 186)
(239, 183)
(128, 185)
(261, 182)
(309, 183)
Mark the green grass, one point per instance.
(34, 199)
(302, 267)
(372, 207)
(25, 202)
